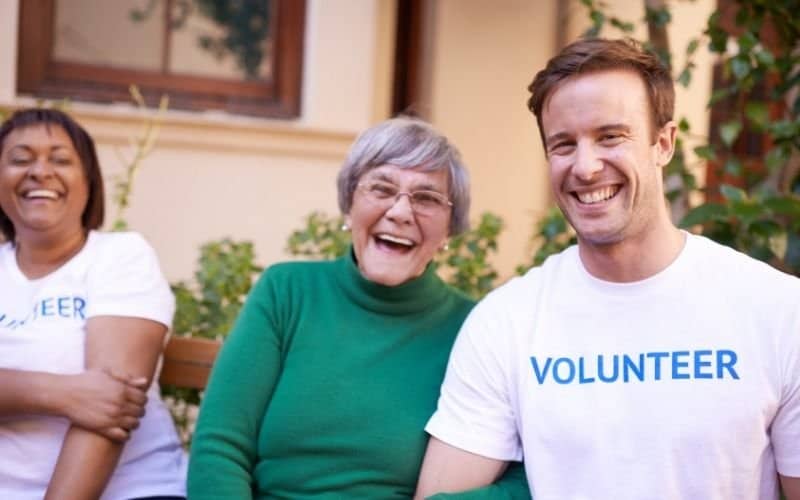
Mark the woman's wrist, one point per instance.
(50, 393)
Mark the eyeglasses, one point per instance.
(423, 201)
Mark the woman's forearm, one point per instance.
(123, 346)
(27, 392)
(40, 393)
(94, 399)
(84, 466)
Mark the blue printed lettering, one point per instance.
(582, 378)
(678, 364)
(625, 368)
(628, 366)
(64, 304)
(47, 306)
(571, 370)
(540, 374)
(600, 371)
(699, 364)
(727, 364)
(78, 305)
(657, 356)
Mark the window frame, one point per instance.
(279, 97)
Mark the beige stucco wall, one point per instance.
(484, 56)
(214, 175)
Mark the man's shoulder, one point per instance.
(714, 257)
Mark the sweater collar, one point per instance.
(416, 295)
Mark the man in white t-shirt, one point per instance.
(642, 363)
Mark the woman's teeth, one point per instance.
(395, 239)
(41, 193)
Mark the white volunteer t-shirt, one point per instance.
(685, 385)
(42, 329)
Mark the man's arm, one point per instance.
(447, 469)
(106, 403)
(87, 459)
(791, 487)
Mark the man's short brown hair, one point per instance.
(590, 55)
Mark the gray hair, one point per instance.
(407, 143)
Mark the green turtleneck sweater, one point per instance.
(324, 386)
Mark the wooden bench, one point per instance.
(188, 361)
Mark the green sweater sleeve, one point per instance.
(224, 446)
(513, 485)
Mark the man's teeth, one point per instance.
(601, 194)
(42, 193)
(395, 239)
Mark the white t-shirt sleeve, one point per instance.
(126, 280)
(475, 410)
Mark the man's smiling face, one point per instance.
(605, 161)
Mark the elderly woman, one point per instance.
(83, 316)
(324, 386)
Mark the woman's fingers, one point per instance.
(136, 396)
(128, 423)
(117, 434)
(127, 378)
(132, 410)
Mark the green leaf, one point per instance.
(718, 38)
(685, 77)
(776, 158)
(719, 95)
(683, 125)
(765, 229)
(705, 152)
(732, 193)
(553, 227)
(691, 48)
(701, 214)
(747, 41)
(658, 17)
(784, 205)
(740, 67)
(765, 58)
(624, 26)
(733, 166)
(757, 113)
(746, 210)
(597, 17)
(784, 129)
(729, 131)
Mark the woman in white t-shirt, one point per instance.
(83, 317)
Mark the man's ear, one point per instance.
(665, 143)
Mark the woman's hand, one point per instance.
(114, 345)
(105, 402)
